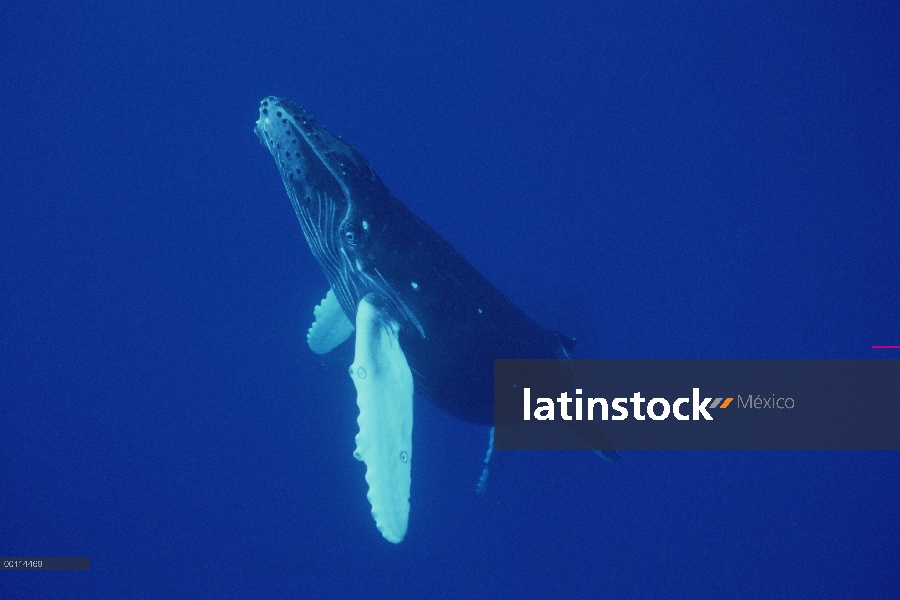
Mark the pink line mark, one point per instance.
(886, 346)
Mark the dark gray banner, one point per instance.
(45, 563)
(697, 404)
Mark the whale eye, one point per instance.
(349, 234)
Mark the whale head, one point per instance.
(343, 207)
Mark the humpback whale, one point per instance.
(426, 321)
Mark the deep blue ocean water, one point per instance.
(700, 179)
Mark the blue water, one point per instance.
(691, 180)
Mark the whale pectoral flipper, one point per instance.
(331, 326)
(384, 393)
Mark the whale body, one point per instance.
(427, 322)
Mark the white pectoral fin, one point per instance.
(331, 326)
(384, 393)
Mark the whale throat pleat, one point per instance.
(384, 393)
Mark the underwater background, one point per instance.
(684, 180)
